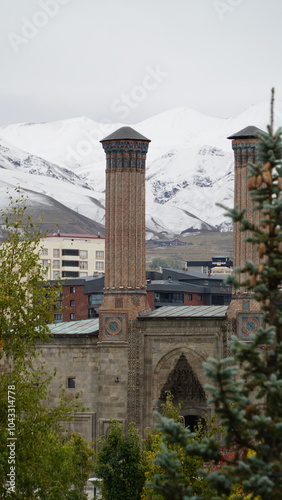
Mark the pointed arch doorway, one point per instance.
(184, 385)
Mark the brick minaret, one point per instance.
(244, 315)
(125, 272)
(244, 147)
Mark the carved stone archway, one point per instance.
(186, 389)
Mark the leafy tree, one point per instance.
(247, 388)
(25, 302)
(46, 463)
(119, 463)
(186, 466)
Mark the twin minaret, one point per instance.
(125, 272)
(244, 146)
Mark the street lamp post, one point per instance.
(94, 480)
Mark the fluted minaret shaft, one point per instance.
(244, 147)
(125, 216)
(125, 271)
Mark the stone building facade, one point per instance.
(127, 380)
(123, 363)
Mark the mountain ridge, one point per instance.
(189, 166)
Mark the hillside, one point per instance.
(61, 167)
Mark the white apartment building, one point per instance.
(72, 255)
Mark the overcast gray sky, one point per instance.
(126, 60)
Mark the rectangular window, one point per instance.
(58, 304)
(83, 264)
(83, 254)
(218, 300)
(99, 254)
(56, 252)
(56, 264)
(58, 317)
(44, 251)
(99, 266)
(70, 263)
(95, 298)
(246, 305)
(72, 289)
(177, 298)
(70, 251)
(45, 262)
(72, 303)
(169, 297)
(70, 274)
(82, 275)
(92, 313)
(199, 297)
(189, 296)
(56, 275)
(71, 383)
(72, 316)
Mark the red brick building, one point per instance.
(81, 298)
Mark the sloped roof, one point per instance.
(187, 275)
(186, 312)
(125, 133)
(76, 328)
(249, 132)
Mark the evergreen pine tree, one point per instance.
(247, 387)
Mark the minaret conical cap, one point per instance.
(125, 133)
(249, 132)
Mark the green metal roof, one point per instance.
(88, 327)
(186, 312)
(76, 328)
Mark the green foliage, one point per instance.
(46, 464)
(247, 388)
(119, 463)
(25, 301)
(170, 471)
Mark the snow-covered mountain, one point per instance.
(61, 165)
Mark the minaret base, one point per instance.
(116, 311)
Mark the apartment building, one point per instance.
(72, 255)
(79, 298)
